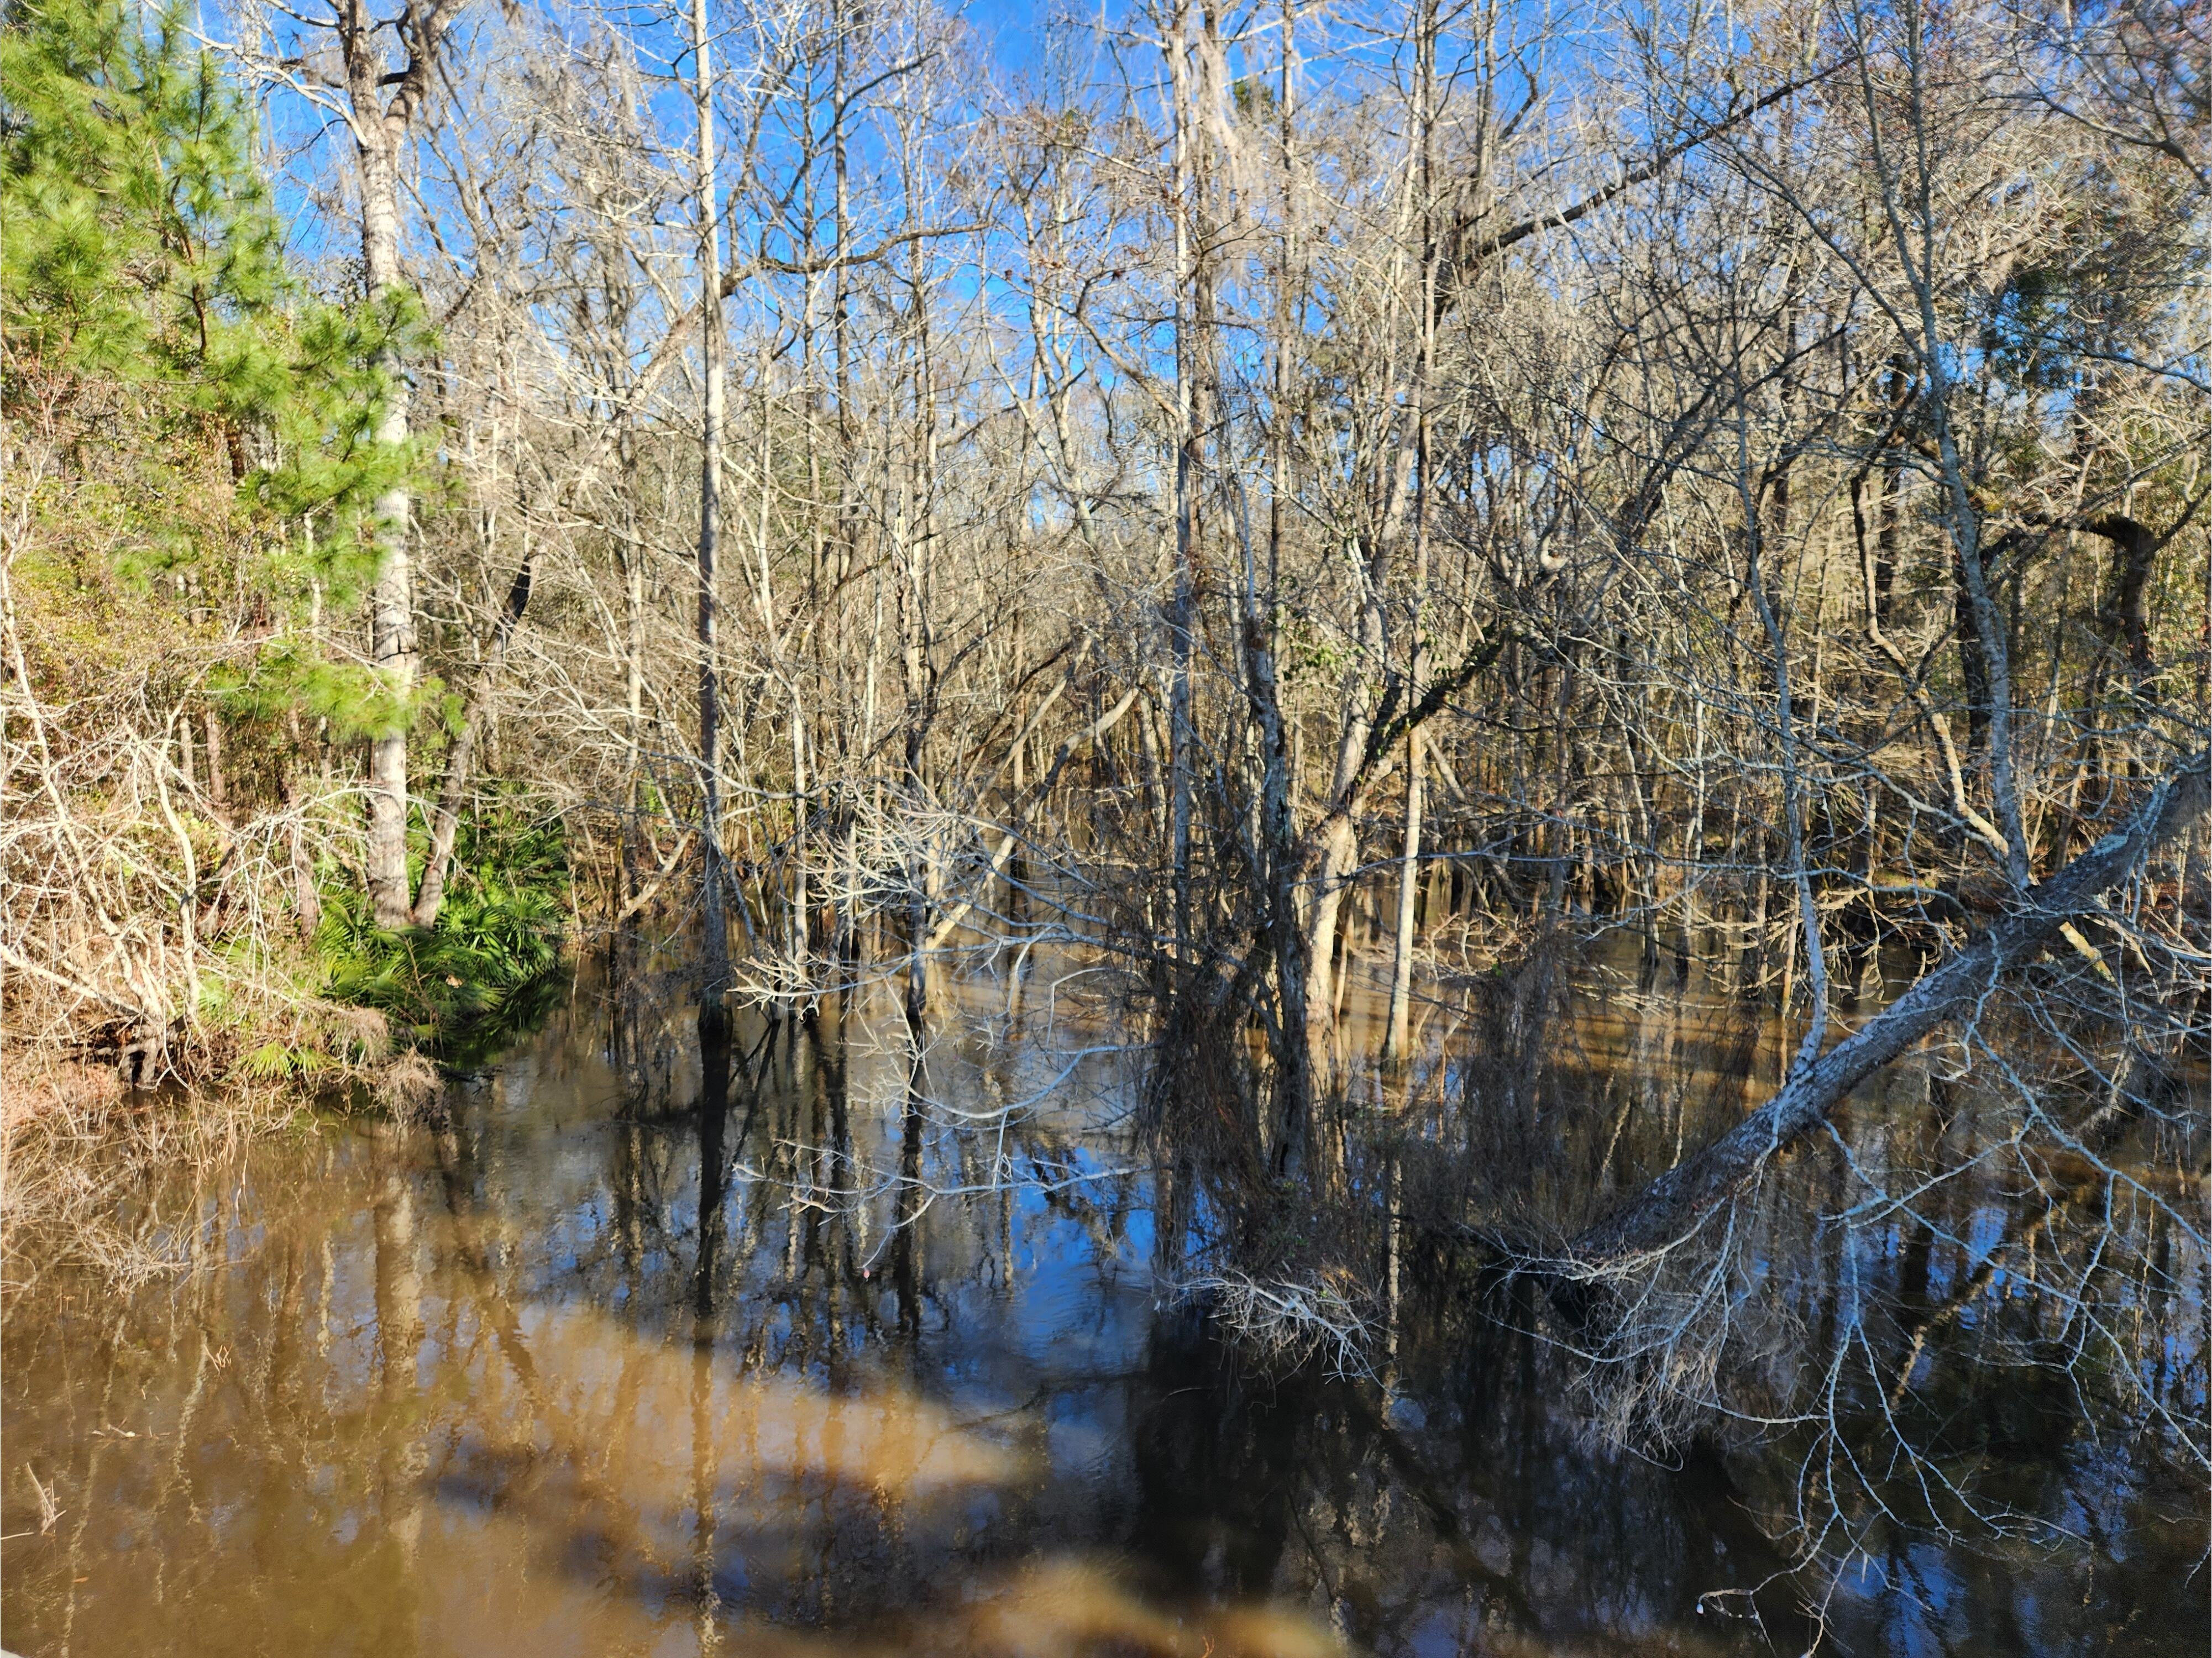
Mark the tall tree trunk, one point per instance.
(1278, 804)
(391, 601)
(1180, 605)
(380, 124)
(1397, 1032)
(715, 947)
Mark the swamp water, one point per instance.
(861, 1362)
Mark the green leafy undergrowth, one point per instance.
(489, 969)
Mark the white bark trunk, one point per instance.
(392, 603)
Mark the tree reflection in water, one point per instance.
(823, 1348)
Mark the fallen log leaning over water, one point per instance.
(1672, 1204)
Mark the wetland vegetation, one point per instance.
(1338, 825)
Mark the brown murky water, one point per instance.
(584, 1374)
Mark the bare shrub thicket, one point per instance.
(1291, 502)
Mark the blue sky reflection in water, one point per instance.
(497, 1389)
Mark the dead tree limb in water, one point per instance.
(1670, 1206)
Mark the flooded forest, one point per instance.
(1310, 827)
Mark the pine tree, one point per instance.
(191, 443)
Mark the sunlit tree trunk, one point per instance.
(1395, 1033)
(380, 126)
